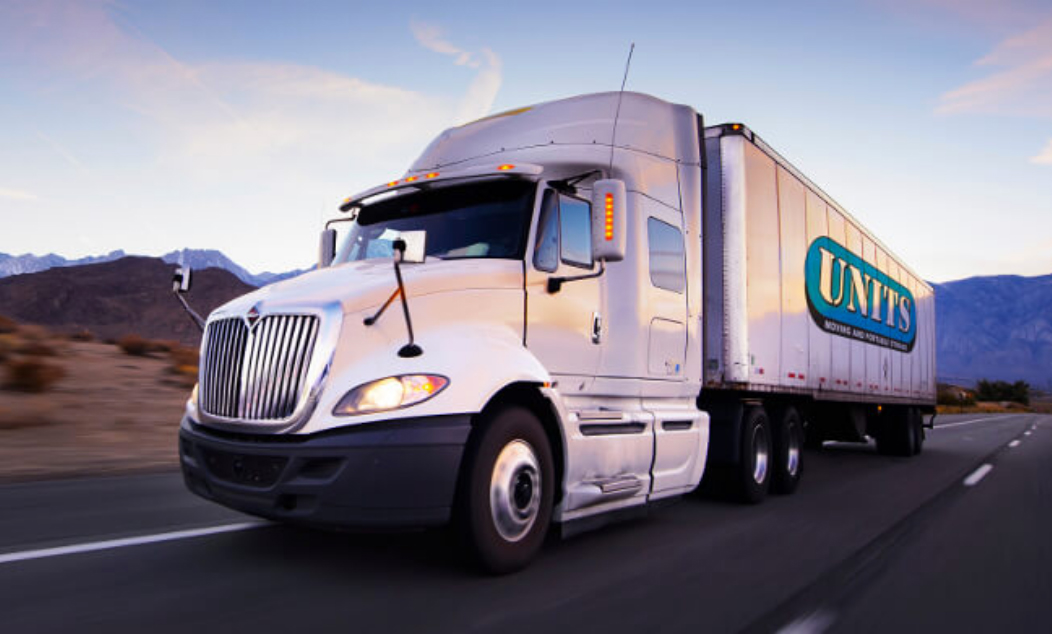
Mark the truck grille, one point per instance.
(256, 373)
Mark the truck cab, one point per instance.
(505, 337)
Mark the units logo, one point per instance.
(851, 298)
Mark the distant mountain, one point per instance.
(996, 327)
(29, 263)
(206, 258)
(132, 295)
(195, 258)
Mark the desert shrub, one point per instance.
(8, 346)
(134, 345)
(29, 415)
(82, 335)
(182, 355)
(7, 325)
(32, 375)
(36, 348)
(164, 345)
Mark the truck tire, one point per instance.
(917, 424)
(788, 436)
(507, 491)
(754, 467)
(897, 432)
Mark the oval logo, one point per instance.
(851, 298)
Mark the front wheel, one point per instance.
(507, 492)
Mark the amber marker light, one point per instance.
(410, 179)
(609, 233)
(392, 183)
(431, 175)
(505, 167)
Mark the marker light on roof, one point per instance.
(410, 179)
(392, 183)
(505, 167)
(431, 175)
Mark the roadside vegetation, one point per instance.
(72, 404)
(988, 397)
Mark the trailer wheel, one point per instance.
(507, 491)
(917, 425)
(754, 468)
(788, 436)
(897, 432)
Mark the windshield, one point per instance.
(476, 220)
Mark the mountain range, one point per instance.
(995, 327)
(195, 258)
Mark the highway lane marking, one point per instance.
(814, 623)
(974, 420)
(977, 475)
(125, 542)
(1026, 433)
(1014, 443)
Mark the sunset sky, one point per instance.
(239, 126)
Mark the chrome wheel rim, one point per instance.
(760, 451)
(515, 490)
(792, 463)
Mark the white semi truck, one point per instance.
(586, 319)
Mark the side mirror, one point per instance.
(415, 246)
(609, 220)
(327, 249)
(181, 280)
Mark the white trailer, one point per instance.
(587, 316)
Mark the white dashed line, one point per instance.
(1014, 443)
(969, 422)
(978, 475)
(1026, 433)
(814, 623)
(140, 540)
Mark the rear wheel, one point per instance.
(754, 467)
(917, 423)
(899, 431)
(507, 492)
(788, 436)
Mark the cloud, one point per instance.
(1020, 82)
(1045, 157)
(432, 37)
(17, 194)
(483, 89)
(225, 140)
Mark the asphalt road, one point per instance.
(868, 543)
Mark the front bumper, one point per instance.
(400, 473)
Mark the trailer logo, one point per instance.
(851, 298)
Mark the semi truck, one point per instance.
(560, 315)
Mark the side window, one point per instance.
(667, 259)
(575, 222)
(546, 250)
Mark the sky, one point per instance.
(240, 126)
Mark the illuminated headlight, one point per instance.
(393, 392)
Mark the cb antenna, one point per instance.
(613, 133)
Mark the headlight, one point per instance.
(394, 392)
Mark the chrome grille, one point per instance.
(256, 373)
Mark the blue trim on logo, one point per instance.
(851, 298)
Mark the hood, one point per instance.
(357, 286)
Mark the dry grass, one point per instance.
(82, 335)
(7, 325)
(32, 375)
(135, 345)
(25, 417)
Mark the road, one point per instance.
(959, 538)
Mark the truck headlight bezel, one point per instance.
(390, 393)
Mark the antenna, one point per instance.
(613, 133)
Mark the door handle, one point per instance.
(597, 327)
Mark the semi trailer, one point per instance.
(559, 315)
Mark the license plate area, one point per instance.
(244, 469)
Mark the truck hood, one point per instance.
(357, 286)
